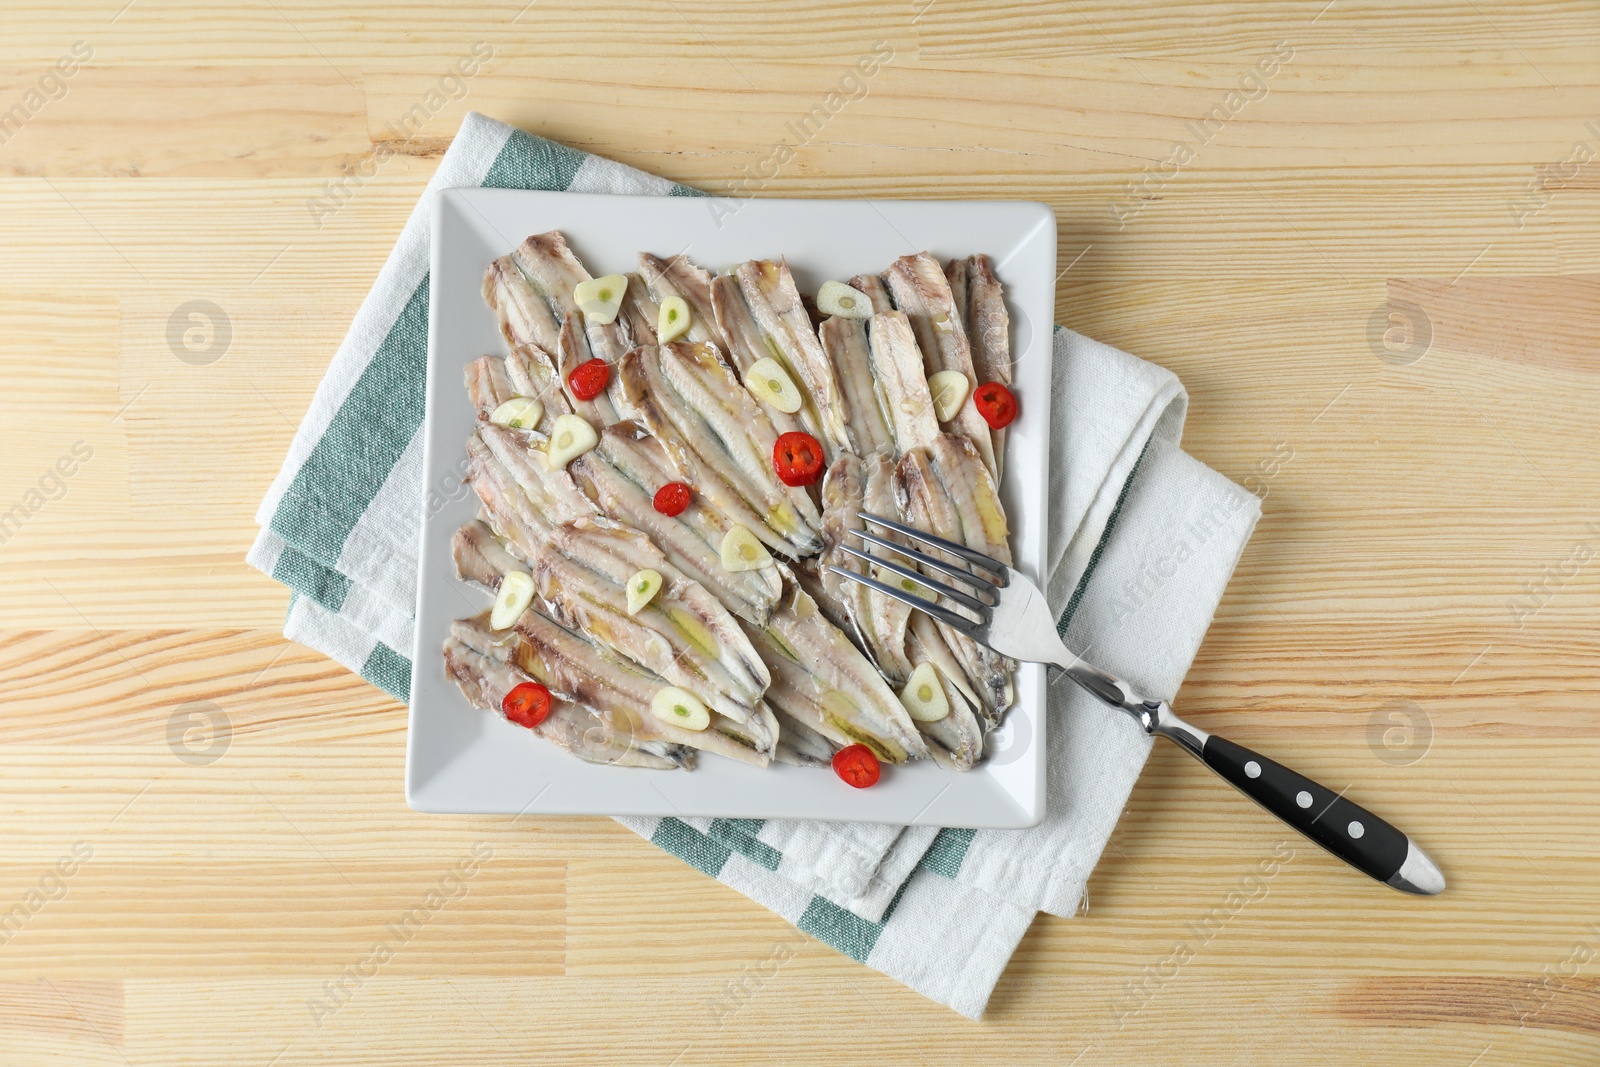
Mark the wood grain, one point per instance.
(1414, 620)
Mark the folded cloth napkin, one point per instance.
(1144, 540)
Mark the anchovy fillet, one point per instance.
(577, 670)
(622, 476)
(720, 441)
(488, 385)
(683, 635)
(799, 745)
(681, 278)
(879, 621)
(524, 315)
(639, 314)
(845, 342)
(824, 681)
(920, 290)
(955, 741)
(528, 372)
(898, 375)
(548, 263)
(479, 662)
(775, 304)
(978, 294)
(877, 295)
(929, 506)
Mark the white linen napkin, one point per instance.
(1144, 539)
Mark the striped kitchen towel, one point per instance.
(1145, 538)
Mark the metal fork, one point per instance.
(1008, 613)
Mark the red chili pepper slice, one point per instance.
(672, 498)
(996, 404)
(797, 457)
(528, 704)
(857, 766)
(588, 380)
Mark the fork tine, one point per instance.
(950, 618)
(977, 559)
(970, 602)
(976, 581)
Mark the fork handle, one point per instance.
(1343, 827)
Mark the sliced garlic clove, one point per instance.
(943, 322)
(742, 552)
(570, 437)
(673, 320)
(680, 707)
(924, 696)
(642, 588)
(837, 298)
(949, 389)
(513, 598)
(916, 589)
(601, 298)
(770, 383)
(519, 413)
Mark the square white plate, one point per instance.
(460, 759)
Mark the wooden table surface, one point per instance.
(1376, 270)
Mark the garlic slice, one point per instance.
(673, 320)
(837, 298)
(949, 389)
(680, 707)
(924, 695)
(770, 383)
(916, 589)
(742, 552)
(601, 298)
(570, 437)
(519, 413)
(642, 588)
(513, 598)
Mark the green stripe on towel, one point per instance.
(529, 162)
(324, 585)
(369, 433)
(690, 846)
(845, 930)
(389, 671)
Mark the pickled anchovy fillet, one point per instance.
(639, 313)
(978, 294)
(680, 277)
(551, 491)
(575, 669)
(923, 486)
(719, 440)
(774, 302)
(921, 290)
(524, 315)
(622, 476)
(683, 635)
(746, 344)
(799, 745)
(488, 385)
(479, 662)
(845, 342)
(877, 294)
(897, 374)
(822, 680)
(878, 621)
(955, 741)
(550, 266)
(527, 371)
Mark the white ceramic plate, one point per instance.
(460, 759)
